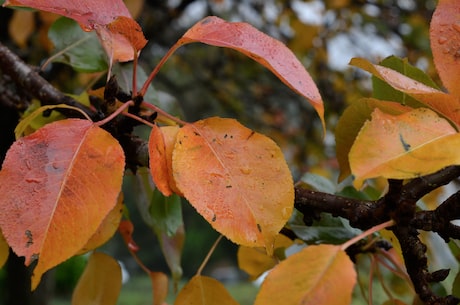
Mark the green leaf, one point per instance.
(77, 48)
(166, 213)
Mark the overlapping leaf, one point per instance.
(445, 104)
(317, 275)
(203, 290)
(236, 178)
(403, 146)
(100, 283)
(120, 35)
(51, 204)
(445, 43)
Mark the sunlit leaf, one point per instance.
(445, 43)
(351, 122)
(316, 275)
(77, 48)
(262, 48)
(161, 145)
(100, 283)
(403, 146)
(441, 102)
(58, 185)
(107, 228)
(106, 17)
(255, 261)
(203, 290)
(236, 178)
(4, 250)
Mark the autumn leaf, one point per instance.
(445, 43)
(58, 185)
(126, 229)
(4, 250)
(351, 122)
(318, 275)
(403, 146)
(235, 178)
(107, 228)
(106, 17)
(203, 290)
(161, 145)
(100, 283)
(441, 102)
(159, 287)
(255, 261)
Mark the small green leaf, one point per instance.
(166, 213)
(79, 49)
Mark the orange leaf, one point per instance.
(161, 145)
(203, 290)
(107, 17)
(58, 185)
(446, 104)
(445, 43)
(262, 48)
(403, 146)
(126, 230)
(317, 275)
(100, 283)
(106, 229)
(237, 180)
(159, 287)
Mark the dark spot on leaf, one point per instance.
(228, 186)
(259, 228)
(214, 217)
(252, 133)
(30, 240)
(196, 133)
(404, 144)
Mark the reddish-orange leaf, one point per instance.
(445, 43)
(446, 104)
(203, 290)
(403, 146)
(317, 275)
(237, 179)
(58, 185)
(126, 230)
(262, 48)
(159, 287)
(107, 17)
(161, 145)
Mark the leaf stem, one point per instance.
(164, 113)
(372, 230)
(115, 113)
(208, 256)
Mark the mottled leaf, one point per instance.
(100, 283)
(58, 185)
(236, 178)
(403, 146)
(317, 275)
(445, 104)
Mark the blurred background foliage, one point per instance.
(201, 81)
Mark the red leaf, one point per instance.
(445, 43)
(120, 35)
(126, 230)
(262, 48)
(57, 186)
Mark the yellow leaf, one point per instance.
(203, 290)
(237, 180)
(100, 283)
(21, 26)
(403, 146)
(317, 275)
(255, 261)
(4, 250)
